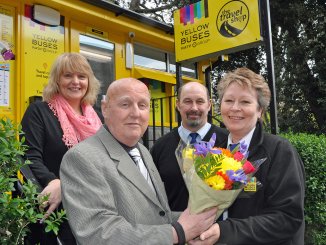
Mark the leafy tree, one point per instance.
(299, 41)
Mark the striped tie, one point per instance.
(135, 155)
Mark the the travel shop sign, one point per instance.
(211, 27)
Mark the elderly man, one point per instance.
(193, 103)
(111, 189)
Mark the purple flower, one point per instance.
(237, 176)
(243, 147)
(202, 147)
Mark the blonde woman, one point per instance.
(64, 118)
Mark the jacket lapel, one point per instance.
(156, 179)
(129, 170)
(127, 167)
(256, 140)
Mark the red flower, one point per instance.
(238, 156)
(248, 167)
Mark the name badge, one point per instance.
(251, 185)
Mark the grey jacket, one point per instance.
(107, 199)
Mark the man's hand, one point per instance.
(53, 189)
(208, 237)
(194, 224)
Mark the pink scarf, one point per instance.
(75, 127)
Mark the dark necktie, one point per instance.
(232, 146)
(193, 137)
(135, 155)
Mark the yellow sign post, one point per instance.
(208, 28)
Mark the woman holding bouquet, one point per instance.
(273, 213)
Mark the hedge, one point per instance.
(312, 150)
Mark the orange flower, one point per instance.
(226, 152)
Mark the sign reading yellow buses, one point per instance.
(208, 28)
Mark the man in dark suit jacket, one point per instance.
(107, 199)
(193, 103)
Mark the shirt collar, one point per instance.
(184, 133)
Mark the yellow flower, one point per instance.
(229, 163)
(188, 153)
(216, 182)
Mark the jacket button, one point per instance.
(162, 213)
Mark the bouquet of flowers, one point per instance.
(214, 176)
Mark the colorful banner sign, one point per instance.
(208, 28)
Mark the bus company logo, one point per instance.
(232, 19)
(196, 10)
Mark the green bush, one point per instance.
(16, 212)
(312, 151)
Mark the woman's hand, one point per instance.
(208, 237)
(53, 189)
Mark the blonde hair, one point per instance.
(71, 62)
(246, 77)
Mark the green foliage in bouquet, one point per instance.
(311, 148)
(17, 211)
(208, 166)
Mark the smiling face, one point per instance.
(240, 110)
(126, 112)
(193, 104)
(73, 86)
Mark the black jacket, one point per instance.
(274, 214)
(43, 135)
